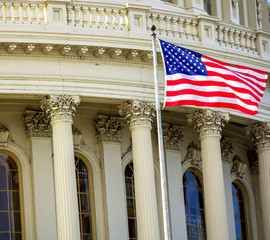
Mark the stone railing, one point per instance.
(131, 21)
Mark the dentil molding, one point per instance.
(207, 122)
(37, 124)
(108, 128)
(138, 113)
(60, 107)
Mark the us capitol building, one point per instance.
(78, 141)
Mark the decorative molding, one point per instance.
(77, 138)
(253, 162)
(207, 122)
(37, 124)
(109, 128)
(193, 154)
(60, 107)
(226, 149)
(260, 134)
(238, 167)
(137, 113)
(172, 136)
(4, 136)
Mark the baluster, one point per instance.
(242, 40)
(33, 8)
(116, 19)
(16, 12)
(187, 28)
(93, 17)
(252, 42)
(101, 17)
(77, 18)
(194, 29)
(174, 27)
(161, 26)
(123, 22)
(148, 22)
(180, 27)
(1, 12)
(220, 35)
(236, 39)
(168, 26)
(247, 38)
(108, 18)
(231, 40)
(225, 36)
(8, 12)
(25, 18)
(41, 13)
(69, 15)
(85, 16)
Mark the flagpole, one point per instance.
(165, 209)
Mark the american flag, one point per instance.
(198, 80)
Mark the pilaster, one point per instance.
(140, 116)
(60, 109)
(108, 131)
(260, 134)
(209, 124)
(38, 131)
(173, 137)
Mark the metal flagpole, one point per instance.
(165, 209)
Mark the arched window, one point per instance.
(239, 212)
(10, 206)
(85, 199)
(207, 6)
(194, 207)
(130, 196)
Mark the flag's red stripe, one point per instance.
(240, 67)
(209, 94)
(211, 83)
(212, 104)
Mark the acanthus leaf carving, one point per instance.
(226, 149)
(4, 136)
(77, 137)
(260, 134)
(253, 162)
(193, 154)
(238, 167)
(172, 136)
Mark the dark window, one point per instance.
(207, 6)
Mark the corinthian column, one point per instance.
(209, 124)
(140, 115)
(61, 109)
(261, 137)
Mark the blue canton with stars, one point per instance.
(181, 60)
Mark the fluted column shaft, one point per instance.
(261, 137)
(140, 114)
(208, 124)
(61, 109)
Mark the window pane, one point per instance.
(14, 200)
(4, 236)
(4, 222)
(3, 181)
(3, 201)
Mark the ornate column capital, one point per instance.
(226, 149)
(138, 113)
(60, 107)
(260, 134)
(108, 129)
(172, 136)
(37, 124)
(207, 122)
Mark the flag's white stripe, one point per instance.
(201, 78)
(211, 100)
(210, 89)
(227, 72)
(242, 70)
(252, 79)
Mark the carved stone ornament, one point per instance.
(108, 129)
(172, 136)
(4, 136)
(37, 124)
(253, 162)
(60, 107)
(137, 113)
(208, 122)
(260, 134)
(193, 154)
(238, 167)
(77, 137)
(226, 149)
